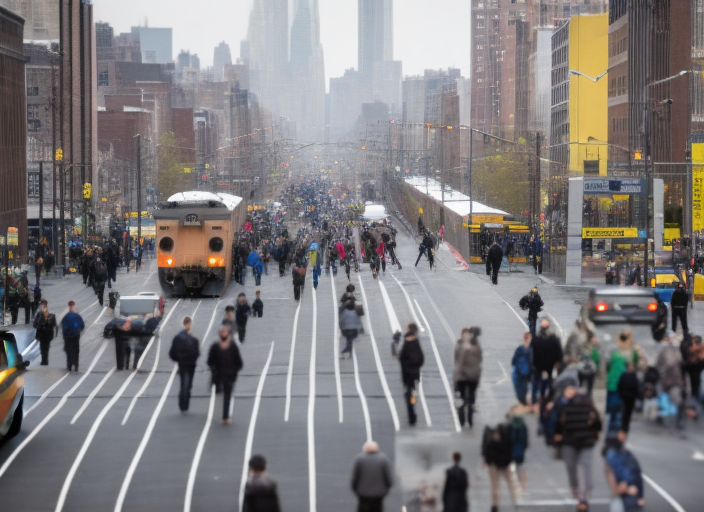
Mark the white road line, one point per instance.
(289, 376)
(199, 453)
(149, 378)
(448, 329)
(362, 398)
(312, 482)
(143, 444)
(379, 366)
(410, 304)
(441, 368)
(210, 325)
(560, 332)
(90, 397)
(98, 421)
(53, 412)
(252, 425)
(424, 404)
(520, 318)
(336, 348)
(396, 326)
(662, 492)
(100, 315)
(46, 394)
(506, 378)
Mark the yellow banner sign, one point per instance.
(479, 218)
(609, 232)
(698, 186)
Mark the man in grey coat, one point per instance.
(371, 478)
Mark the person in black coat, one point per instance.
(411, 358)
(678, 303)
(47, 328)
(454, 494)
(496, 255)
(496, 452)
(260, 493)
(242, 312)
(185, 351)
(547, 352)
(628, 392)
(225, 362)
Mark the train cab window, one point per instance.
(216, 244)
(3, 356)
(166, 244)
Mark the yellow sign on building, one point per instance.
(609, 232)
(698, 186)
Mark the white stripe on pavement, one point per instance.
(362, 398)
(53, 412)
(312, 482)
(336, 348)
(289, 376)
(441, 368)
(662, 492)
(410, 304)
(98, 421)
(443, 321)
(143, 444)
(379, 365)
(46, 394)
(199, 453)
(90, 397)
(149, 378)
(252, 424)
(396, 326)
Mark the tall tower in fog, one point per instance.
(266, 51)
(221, 58)
(380, 74)
(307, 69)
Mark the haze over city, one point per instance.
(423, 38)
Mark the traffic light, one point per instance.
(59, 155)
(87, 190)
(637, 155)
(204, 177)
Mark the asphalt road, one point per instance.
(106, 440)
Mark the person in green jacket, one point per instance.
(621, 356)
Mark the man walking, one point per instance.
(371, 478)
(454, 493)
(185, 350)
(532, 302)
(411, 358)
(225, 363)
(547, 352)
(101, 277)
(679, 301)
(45, 324)
(496, 255)
(71, 327)
(260, 493)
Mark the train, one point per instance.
(194, 235)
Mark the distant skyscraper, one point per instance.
(221, 58)
(375, 33)
(307, 69)
(381, 75)
(266, 52)
(156, 43)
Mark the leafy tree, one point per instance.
(501, 181)
(171, 175)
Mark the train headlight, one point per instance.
(214, 261)
(166, 261)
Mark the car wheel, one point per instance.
(16, 420)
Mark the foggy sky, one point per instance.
(427, 33)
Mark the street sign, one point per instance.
(609, 232)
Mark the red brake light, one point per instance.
(653, 306)
(601, 307)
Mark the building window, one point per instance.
(33, 90)
(32, 112)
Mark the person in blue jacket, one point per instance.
(71, 327)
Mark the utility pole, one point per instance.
(471, 197)
(139, 189)
(41, 199)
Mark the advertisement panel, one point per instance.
(609, 232)
(698, 186)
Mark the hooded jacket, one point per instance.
(468, 362)
(260, 495)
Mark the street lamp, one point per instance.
(594, 79)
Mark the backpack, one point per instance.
(625, 466)
(100, 269)
(519, 438)
(523, 365)
(523, 303)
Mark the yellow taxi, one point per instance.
(12, 369)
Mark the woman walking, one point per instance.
(225, 363)
(350, 326)
(411, 358)
(468, 370)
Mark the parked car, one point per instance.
(630, 305)
(12, 369)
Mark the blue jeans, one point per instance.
(613, 409)
(520, 386)
(540, 384)
(184, 395)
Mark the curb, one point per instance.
(546, 280)
(458, 257)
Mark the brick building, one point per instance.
(13, 130)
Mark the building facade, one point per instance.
(13, 131)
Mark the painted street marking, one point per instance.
(336, 348)
(289, 376)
